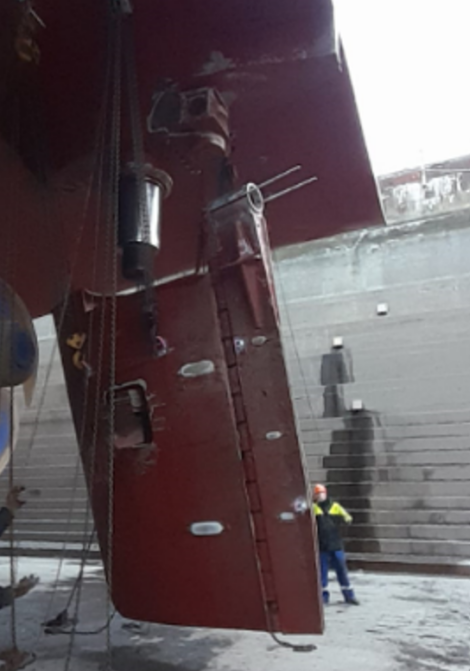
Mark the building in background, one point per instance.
(428, 190)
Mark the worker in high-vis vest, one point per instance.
(330, 516)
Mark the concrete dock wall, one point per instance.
(399, 298)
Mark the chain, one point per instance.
(77, 588)
(113, 88)
(136, 127)
(11, 464)
(97, 171)
(113, 222)
(11, 484)
(111, 252)
(89, 458)
(65, 305)
(60, 321)
(150, 308)
(11, 258)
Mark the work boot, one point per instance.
(352, 601)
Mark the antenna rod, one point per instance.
(289, 189)
(271, 180)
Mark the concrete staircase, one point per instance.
(409, 496)
(47, 463)
(401, 465)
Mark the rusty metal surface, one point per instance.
(195, 473)
(161, 571)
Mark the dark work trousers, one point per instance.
(337, 561)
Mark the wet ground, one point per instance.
(404, 623)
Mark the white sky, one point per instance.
(410, 65)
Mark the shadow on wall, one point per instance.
(351, 461)
(336, 370)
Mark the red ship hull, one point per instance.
(222, 446)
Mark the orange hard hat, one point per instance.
(319, 489)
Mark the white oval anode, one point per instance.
(197, 369)
(206, 528)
